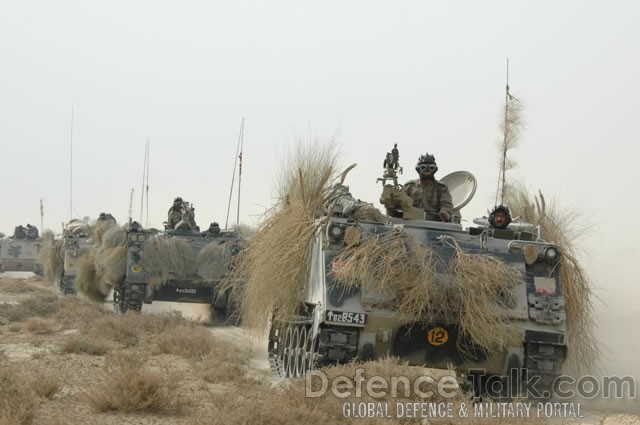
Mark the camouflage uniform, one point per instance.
(175, 215)
(434, 197)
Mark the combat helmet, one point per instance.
(426, 162)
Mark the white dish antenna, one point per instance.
(462, 186)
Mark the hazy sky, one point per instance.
(429, 76)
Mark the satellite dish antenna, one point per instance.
(462, 186)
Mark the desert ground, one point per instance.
(66, 360)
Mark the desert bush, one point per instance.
(188, 341)
(18, 401)
(131, 386)
(79, 343)
(39, 325)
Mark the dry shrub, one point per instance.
(129, 385)
(41, 305)
(79, 343)
(397, 270)
(564, 227)
(38, 325)
(167, 256)
(17, 286)
(46, 383)
(18, 401)
(275, 263)
(76, 312)
(188, 341)
(115, 328)
(86, 277)
(104, 266)
(225, 363)
(51, 256)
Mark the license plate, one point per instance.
(346, 317)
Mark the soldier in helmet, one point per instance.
(428, 193)
(32, 232)
(214, 229)
(500, 217)
(175, 212)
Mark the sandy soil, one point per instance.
(37, 348)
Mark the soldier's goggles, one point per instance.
(426, 167)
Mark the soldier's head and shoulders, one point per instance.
(426, 167)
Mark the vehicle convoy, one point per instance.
(180, 264)
(20, 252)
(343, 317)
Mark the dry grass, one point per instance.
(105, 264)
(18, 286)
(86, 278)
(130, 385)
(565, 228)
(51, 256)
(46, 383)
(37, 325)
(419, 285)
(187, 340)
(275, 263)
(76, 312)
(41, 305)
(79, 343)
(18, 401)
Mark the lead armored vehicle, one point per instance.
(338, 321)
(180, 264)
(20, 252)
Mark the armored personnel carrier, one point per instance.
(344, 319)
(77, 243)
(180, 264)
(20, 252)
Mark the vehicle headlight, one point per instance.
(141, 237)
(132, 237)
(551, 254)
(336, 231)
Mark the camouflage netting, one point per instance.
(213, 260)
(167, 256)
(104, 266)
(417, 283)
(175, 258)
(275, 263)
(51, 256)
(564, 228)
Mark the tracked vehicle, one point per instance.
(338, 324)
(194, 278)
(76, 246)
(20, 252)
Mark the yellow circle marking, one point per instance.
(438, 336)
(136, 268)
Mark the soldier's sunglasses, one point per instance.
(426, 167)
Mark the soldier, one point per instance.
(20, 232)
(214, 229)
(175, 212)
(32, 232)
(428, 193)
(500, 217)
